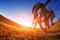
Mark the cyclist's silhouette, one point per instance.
(47, 14)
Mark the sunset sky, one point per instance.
(20, 11)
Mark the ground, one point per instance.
(9, 32)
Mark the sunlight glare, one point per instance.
(26, 24)
(37, 26)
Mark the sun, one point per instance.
(26, 24)
(29, 24)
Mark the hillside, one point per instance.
(8, 21)
(9, 31)
(55, 27)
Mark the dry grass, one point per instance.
(8, 32)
